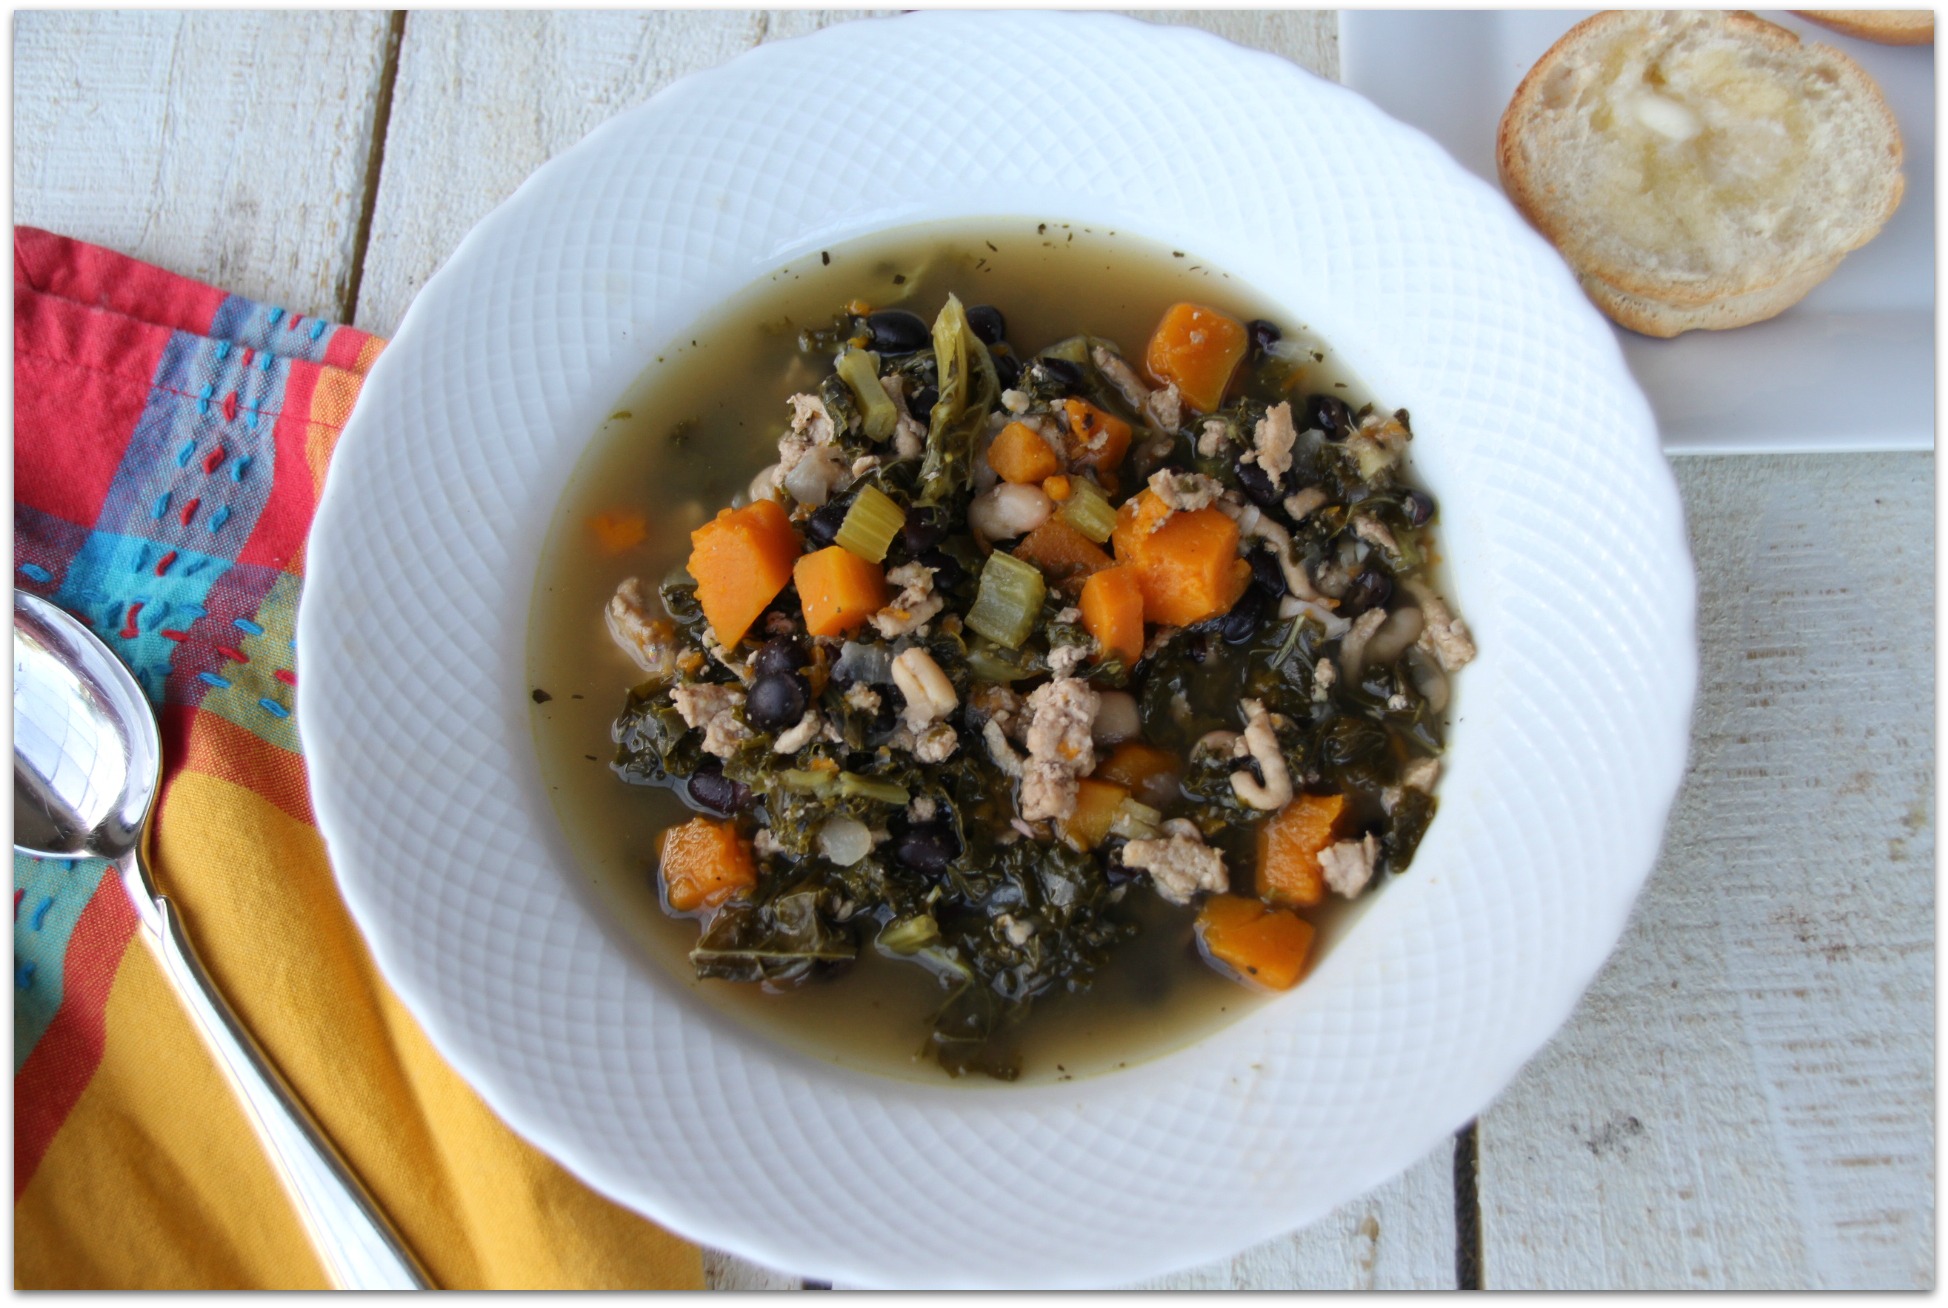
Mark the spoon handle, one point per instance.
(358, 1244)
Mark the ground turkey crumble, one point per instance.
(650, 642)
(1348, 865)
(1272, 442)
(1060, 747)
(1180, 864)
(913, 607)
(714, 708)
(1184, 492)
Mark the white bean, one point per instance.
(1008, 510)
(844, 841)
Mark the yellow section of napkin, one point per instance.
(157, 1180)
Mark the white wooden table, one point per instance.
(1745, 1098)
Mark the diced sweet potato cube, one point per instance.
(1259, 945)
(1061, 552)
(619, 529)
(1289, 845)
(1096, 439)
(1186, 563)
(702, 863)
(1020, 455)
(1150, 773)
(1198, 348)
(1095, 808)
(1112, 610)
(741, 559)
(838, 590)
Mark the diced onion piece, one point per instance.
(1135, 821)
(1008, 601)
(871, 664)
(1117, 719)
(1087, 510)
(870, 525)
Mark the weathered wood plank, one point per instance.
(722, 1271)
(1397, 1237)
(227, 145)
(483, 99)
(1308, 37)
(1745, 1098)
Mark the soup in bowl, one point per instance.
(864, 512)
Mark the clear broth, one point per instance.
(685, 439)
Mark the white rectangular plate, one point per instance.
(1850, 367)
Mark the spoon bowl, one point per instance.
(87, 755)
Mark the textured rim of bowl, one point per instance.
(421, 954)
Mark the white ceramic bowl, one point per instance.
(1568, 557)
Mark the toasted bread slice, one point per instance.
(1698, 169)
(1887, 26)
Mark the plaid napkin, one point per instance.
(170, 443)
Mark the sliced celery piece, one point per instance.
(1073, 350)
(987, 661)
(1087, 510)
(886, 792)
(805, 782)
(1008, 601)
(870, 525)
(859, 370)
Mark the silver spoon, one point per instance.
(87, 764)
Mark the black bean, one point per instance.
(1330, 415)
(927, 847)
(921, 402)
(1264, 334)
(1245, 617)
(898, 331)
(776, 702)
(780, 654)
(822, 528)
(988, 324)
(1370, 590)
(1258, 485)
(1007, 371)
(947, 571)
(718, 793)
(1198, 646)
(924, 529)
(1418, 506)
(1265, 572)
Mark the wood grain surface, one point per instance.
(1745, 1097)
(227, 145)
